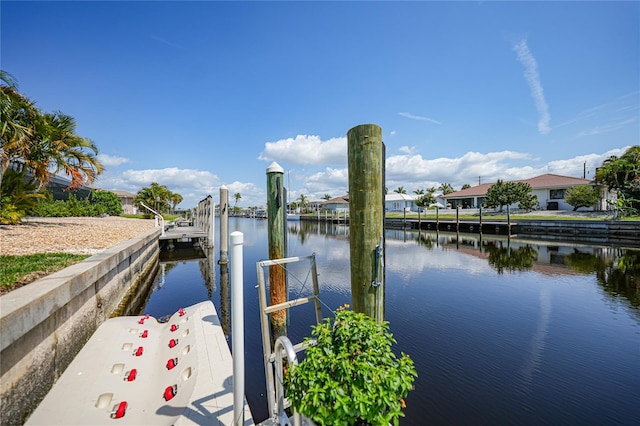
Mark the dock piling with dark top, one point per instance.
(276, 209)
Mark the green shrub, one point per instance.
(110, 202)
(351, 376)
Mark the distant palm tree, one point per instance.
(400, 190)
(236, 197)
(465, 186)
(446, 188)
(326, 197)
(303, 201)
(175, 200)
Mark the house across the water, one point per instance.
(549, 188)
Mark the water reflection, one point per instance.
(501, 329)
(617, 269)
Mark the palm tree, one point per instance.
(57, 147)
(44, 144)
(446, 188)
(326, 197)
(175, 200)
(237, 197)
(303, 201)
(18, 122)
(400, 190)
(156, 196)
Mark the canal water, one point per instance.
(502, 331)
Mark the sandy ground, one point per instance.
(84, 235)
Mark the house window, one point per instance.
(556, 194)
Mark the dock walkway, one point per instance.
(140, 371)
(178, 232)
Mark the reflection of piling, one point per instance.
(276, 226)
(366, 218)
(224, 225)
(224, 297)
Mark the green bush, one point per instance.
(70, 208)
(350, 375)
(110, 202)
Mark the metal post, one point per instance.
(481, 218)
(224, 225)
(457, 218)
(237, 327)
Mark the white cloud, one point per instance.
(306, 150)
(418, 117)
(407, 149)
(112, 160)
(409, 170)
(533, 79)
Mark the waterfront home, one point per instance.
(396, 202)
(337, 204)
(127, 198)
(549, 188)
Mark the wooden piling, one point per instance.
(276, 210)
(224, 226)
(366, 218)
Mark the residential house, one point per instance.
(127, 198)
(549, 188)
(396, 202)
(338, 204)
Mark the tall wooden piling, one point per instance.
(224, 226)
(276, 209)
(366, 218)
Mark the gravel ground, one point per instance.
(83, 235)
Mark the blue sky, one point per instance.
(195, 95)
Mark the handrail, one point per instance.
(283, 344)
(158, 215)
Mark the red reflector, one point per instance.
(119, 412)
(139, 351)
(174, 327)
(141, 321)
(173, 342)
(181, 311)
(172, 363)
(146, 316)
(170, 392)
(132, 375)
(145, 334)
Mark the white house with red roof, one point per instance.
(549, 188)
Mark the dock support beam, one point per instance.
(366, 153)
(224, 225)
(276, 209)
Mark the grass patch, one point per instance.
(16, 271)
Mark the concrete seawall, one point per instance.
(45, 324)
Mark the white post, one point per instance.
(237, 326)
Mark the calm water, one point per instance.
(501, 331)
